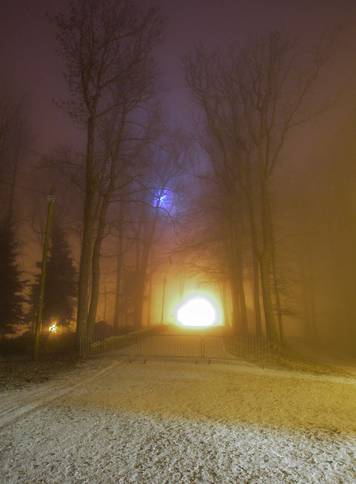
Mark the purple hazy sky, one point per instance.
(31, 66)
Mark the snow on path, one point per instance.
(168, 422)
(16, 403)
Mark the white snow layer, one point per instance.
(169, 422)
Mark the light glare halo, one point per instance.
(197, 311)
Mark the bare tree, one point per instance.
(15, 140)
(123, 143)
(150, 208)
(107, 50)
(252, 100)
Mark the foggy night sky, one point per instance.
(316, 153)
(30, 63)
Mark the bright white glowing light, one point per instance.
(53, 328)
(197, 312)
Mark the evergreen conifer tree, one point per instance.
(61, 282)
(11, 285)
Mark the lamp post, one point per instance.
(38, 326)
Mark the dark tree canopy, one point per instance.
(61, 282)
(11, 293)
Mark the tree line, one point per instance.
(253, 102)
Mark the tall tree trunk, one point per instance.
(239, 311)
(277, 296)
(256, 295)
(235, 305)
(308, 294)
(95, 280)
(243, 324)
(143, 266)
(225, 307)
(266, 266)
(87, 242)
(276, 289)
(119, 273)
(95, 286)
(255, 263)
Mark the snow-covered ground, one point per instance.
(173, 422)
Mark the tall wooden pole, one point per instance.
(163, 300)
(119, 274)
(47, 234)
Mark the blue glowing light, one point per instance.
(164, 199)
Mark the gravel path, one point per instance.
(169, 422)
